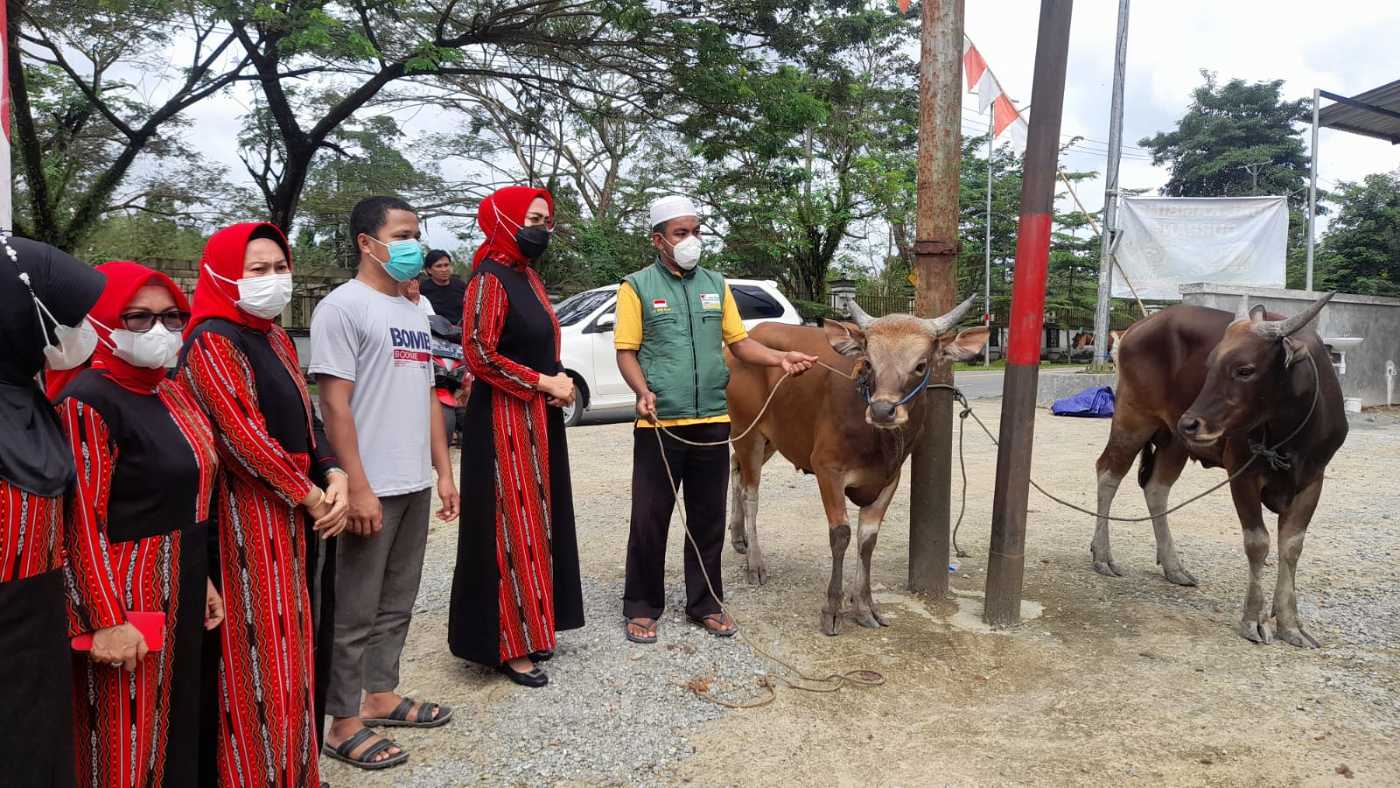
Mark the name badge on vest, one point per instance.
(711, 302)
(659, 306)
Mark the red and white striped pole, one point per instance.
(6, 208)
(1006, 558)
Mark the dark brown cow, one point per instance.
(1202, 384)
(821, 422)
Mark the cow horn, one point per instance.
(857, 314)
(1243, 312)
(941, 324)
(1278, 329)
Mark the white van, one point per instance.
(586, 335)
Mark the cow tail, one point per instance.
(1146, 463)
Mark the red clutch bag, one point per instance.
(151, 625)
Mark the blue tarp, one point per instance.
(1094, 403)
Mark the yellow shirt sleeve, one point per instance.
(627, 328)
(732, 324)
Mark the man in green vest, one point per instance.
(673, 322)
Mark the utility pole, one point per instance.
(1006, 556)
(935, 267)
(987, 312)
(1312, 192)
(1110, 193)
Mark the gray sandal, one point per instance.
(430, 715)
(365, 760)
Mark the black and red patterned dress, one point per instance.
(517, 579)
(137, 539)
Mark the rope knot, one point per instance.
(1277, 460)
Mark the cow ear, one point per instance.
(966, 344)
(845, 338)
(1293, 351)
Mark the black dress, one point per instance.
(517, 578)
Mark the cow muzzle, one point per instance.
(1195, 430)
(885, 414)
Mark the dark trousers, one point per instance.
(703, 476)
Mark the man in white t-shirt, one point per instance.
(371, 354)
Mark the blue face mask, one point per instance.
(405, 258)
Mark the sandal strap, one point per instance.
(380, 746)
(400, 712)
(427, 712)
(348, 746)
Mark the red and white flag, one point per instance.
(5, 207)
(983, 82)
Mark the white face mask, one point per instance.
(687, 253)
(261, 296)
(75, 343)
(153, 349)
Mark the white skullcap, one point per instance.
(671, 207)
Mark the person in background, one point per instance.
(137, 538)
(282, 492)
(443, 288)
(371, 354)
(674, 320)
(45, 296)
(411, 290)
(516, 581)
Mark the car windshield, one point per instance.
(575, 308)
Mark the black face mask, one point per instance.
(532, 241)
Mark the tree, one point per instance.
(1361, 251)
(1236, 139)
(78, 126)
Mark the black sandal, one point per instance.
(541, 656)
(636, 622)
(430, 715)
(365, 760)
(535, 679)
(704, 623)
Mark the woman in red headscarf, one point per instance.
(137, 539)
(517, 579)
(282, 486)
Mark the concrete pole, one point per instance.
(1110, 192)
(935, 266)
(987, 311)
(1006, 556)
(1312, 195)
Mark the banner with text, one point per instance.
(1165, 242)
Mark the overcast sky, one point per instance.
(1346, 46)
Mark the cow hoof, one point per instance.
(831, 623)
(1298, 637)
(741, 545)
(757, 573)
(1256, 631)
(1181, 577)
(1108, 568)
(870, 619)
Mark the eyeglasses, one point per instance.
(141, 320)
(536, 220)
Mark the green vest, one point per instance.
(682, 353)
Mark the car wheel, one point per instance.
(573, 414)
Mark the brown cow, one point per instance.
(821, 422)
(1203, 384)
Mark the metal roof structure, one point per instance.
(1375, 113)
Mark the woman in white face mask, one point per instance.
(284, 495)
(36, 471)
(137, 537)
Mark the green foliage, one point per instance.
(814, 311)
(1236, 139)
(1361, 251)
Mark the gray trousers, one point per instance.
(376, 584)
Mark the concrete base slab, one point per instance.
(1058, 385)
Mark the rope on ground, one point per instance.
(832, 682)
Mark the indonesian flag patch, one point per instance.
(659, 305)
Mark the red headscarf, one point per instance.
(512, 202)
(124, 278)
(224, 254)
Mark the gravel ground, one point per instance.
(1129, 680)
